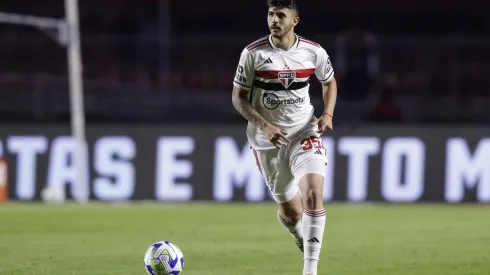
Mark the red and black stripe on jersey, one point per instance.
(276, 86)
(301, 39)
(258, 43)
(301, 73)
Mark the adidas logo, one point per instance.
(318, 152)
(268, 61)
(314, 240)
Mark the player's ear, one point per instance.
(296, 21)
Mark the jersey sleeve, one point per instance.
(324, 69)
(244, 75)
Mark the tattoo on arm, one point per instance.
(245, 108)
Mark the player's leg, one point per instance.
(307, 161)
(289, 215)
(314, 216)
(278, 179)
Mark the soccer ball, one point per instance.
(164, 258)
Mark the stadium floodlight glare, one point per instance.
(68, 35)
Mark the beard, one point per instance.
(282, 32)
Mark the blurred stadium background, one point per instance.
(171, 61)
(411, 125)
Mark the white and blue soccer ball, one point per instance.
(164, 258)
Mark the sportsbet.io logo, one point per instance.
(272, 101)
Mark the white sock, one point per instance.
(295, 229)
(313, 227)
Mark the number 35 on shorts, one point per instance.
(310, 143)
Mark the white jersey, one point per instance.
(278, 82)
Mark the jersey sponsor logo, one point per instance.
(239, 69)
(272, 101)
(239, 77)
(286, 78)
(329, 65)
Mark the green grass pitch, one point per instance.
(228, 239)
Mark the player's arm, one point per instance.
(241, 103)
(329, 90)
(325, 73)
(241, 92)
(244, 107)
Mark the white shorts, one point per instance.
(283, 168)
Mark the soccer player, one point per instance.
(271, 91)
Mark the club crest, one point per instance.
(286, 78)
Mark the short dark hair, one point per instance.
(289, 4)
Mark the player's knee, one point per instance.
(313, 199)
(312, 188)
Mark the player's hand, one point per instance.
(276, 136)
(325, 123)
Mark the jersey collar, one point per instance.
(295, 45)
